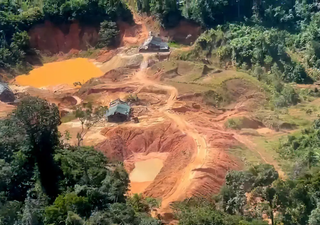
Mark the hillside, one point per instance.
(221, 130)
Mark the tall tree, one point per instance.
(40, 120)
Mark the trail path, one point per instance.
(253, 147)
(198, 160)
(79, 100)
(178, 193)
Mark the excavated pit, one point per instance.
(150, 155)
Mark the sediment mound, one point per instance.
(108, 89)
(5, 109)
(117, 61)
(116, 75)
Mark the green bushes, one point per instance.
(16, 18)
(289, 15)
(108, 34)
(230, 206)
(167, 11)
(213, 98)
(44, 181)
(255, 193)
(234, 123)
(253, 48)
(286, 97)
(302, 147)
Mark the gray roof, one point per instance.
(4, 87)
(119, 108)
(155, 41)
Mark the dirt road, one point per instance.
(179, 192)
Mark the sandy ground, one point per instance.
(146, 170)
(5, 109)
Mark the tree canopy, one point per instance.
(43, 181)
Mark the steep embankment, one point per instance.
(126, 143)
(51, 38)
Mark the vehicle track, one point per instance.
(179, 191)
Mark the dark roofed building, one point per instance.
(6, 95)
(119, 111)
(154, 44)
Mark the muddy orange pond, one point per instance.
(64, 72)
(146, 170)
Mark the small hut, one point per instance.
(119, 111)
(154, 44)
(6, 95)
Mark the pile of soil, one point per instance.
(119, 74)
(117, 61)
(5, 109)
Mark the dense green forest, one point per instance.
(45, 181)
(17, 17)
(280, 36)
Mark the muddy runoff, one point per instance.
(64, 72)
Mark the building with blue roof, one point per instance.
(119, 111)
(6, 95)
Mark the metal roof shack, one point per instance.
(154, 44)
(6, 95)
(119, 111)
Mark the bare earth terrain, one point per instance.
(180, 147)
(180, 140)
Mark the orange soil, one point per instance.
(5, 109)
(194, 143)
(196, 164)
(65, 72)
(133, 35)
(53, 39)
(138, 187)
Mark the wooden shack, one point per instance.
(6, 95)
(119, 111)
(154, 44)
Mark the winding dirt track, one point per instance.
(179, 192)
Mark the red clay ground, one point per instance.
(180, 129)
